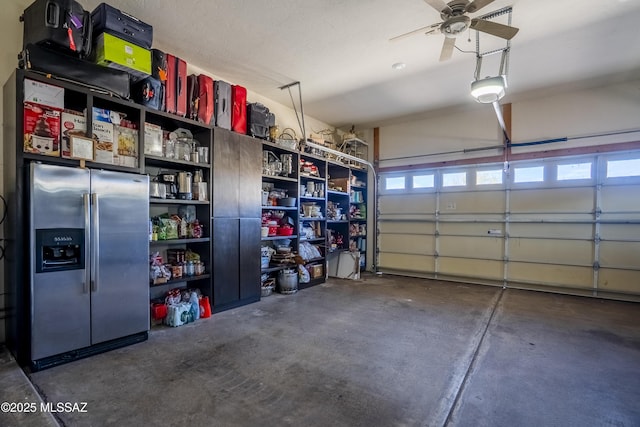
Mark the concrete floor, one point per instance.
(384, 351)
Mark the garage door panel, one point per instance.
(471, 229)
(413, 227)
(480, 202)
(552, 200)
(542, 235)
(563, 231)
(619, 281)
(414, 263)
(617, 199)
(620, 232)
(472, 247)
(407, 244)
(421, 203)
(551, 251)
(555, 275)
(620, 254)
(471, 268)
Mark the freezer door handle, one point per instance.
(86, 202)
(95, 242)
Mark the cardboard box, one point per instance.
(41, 129)
(315, 270)
(115, 52)
(152, 139)
(104, 135)
(339, 184)
(71, 123)
(126, 146)
(43, 94)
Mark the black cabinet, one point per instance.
(226, 255)
(237, 165)
(236, 219)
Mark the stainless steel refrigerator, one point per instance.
(89, 265)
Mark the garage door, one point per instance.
(569, 225)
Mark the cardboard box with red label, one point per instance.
(41, 129)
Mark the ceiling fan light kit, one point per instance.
(489, 90)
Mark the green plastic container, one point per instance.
(114, 52)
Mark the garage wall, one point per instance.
(469, 131)
(12, 44)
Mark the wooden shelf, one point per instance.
(279, 178)
(317, 178)
(177, 202)
(164, 161)
(182, 280)
(317, 239)
(179, 241)
(269, 238)
(279, 208)
(274, 269)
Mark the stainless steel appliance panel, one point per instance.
(60, 300)
(120, 254)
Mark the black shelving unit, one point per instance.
(313, 214)
(281, 180)
(358, 212)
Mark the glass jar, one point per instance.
(183, 149)
(189, 268)
(169, 149)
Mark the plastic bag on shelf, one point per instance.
(303, 275)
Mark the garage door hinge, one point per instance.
(436, 254)
(436, 233)
(596, 265)
(596, 238)
(598, 212)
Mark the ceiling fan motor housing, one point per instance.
(455, 25)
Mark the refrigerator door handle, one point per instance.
(86, 202)
(95, 242)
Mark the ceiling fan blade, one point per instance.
(493, 28)
(476, 5)
(447, 48)
(440, 6)
(425, 30)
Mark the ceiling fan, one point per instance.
(455, 20)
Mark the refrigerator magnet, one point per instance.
(81, 147)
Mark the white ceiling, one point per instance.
(340, 50)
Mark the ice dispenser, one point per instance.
(59, 249)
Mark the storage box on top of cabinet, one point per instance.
(114, 52)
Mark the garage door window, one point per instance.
(574, 171)
(532, 174)
(454, 179)
(489, 177)
(394, 183)
(423, 181)
(622, 168)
